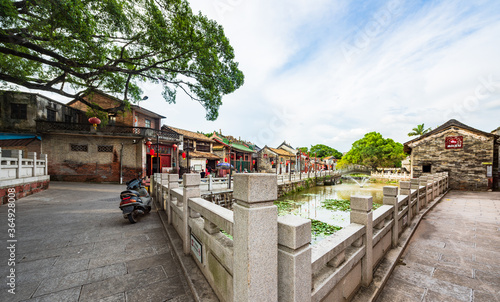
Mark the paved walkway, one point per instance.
(454, 254)
(73, 245)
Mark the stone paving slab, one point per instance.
(74, 245)
(453, 254)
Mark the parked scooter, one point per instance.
(135, 201)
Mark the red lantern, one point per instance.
(152, 152)
(94, 121)
(225, 160)
(272, 163)
(148, 143)
(175, 146)
(183, 155)
(206, 161)
(253, 161)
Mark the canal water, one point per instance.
(308, 203)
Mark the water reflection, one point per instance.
(307, 203)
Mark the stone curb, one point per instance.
(391, 259)
(200, 288)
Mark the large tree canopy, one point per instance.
(69, 46)
(374, 151)
(322, 151)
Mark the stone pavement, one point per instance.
(454, 254)
(73, 245)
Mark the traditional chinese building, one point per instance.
(469, 155)
(274, 160)
(234, 151)
(196, 151)
(78, 151)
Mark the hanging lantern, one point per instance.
(206, 161)
(225, 160)
(174, 146)
(183, 155)
(148, 143)
(94, 121)
(152, 152)
(272, 163)
(253, 161)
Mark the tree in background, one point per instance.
(303, 149)
(323, 151)
(419, 130)
(68, 46)
(374, 151)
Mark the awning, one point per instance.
(17, 140)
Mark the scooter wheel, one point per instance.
(132, 217)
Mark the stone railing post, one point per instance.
(430, 183)
(435, 187)
(423, 182)
(46, 163)
(32, 155)
(361, 213)
(173, 183)
(414, 185)
(162, 193)
(18, 154)
(191, 189)
(152, 185)
(405, 189)
(294, 259)
(391, 198)
(255, 269)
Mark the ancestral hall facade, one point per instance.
(470, 156)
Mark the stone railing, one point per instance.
(16, 166)
(24, 176)
(294, 177)
(262, 257)
(390, 175)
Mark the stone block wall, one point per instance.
(91, 165)
(466, 166)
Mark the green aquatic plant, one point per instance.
(337, 204)
(322, 229)
(341, 205)
(286, 206)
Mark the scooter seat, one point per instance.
(128, 193)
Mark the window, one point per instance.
(104, 148)
(147, 123)
(67, 118)
(18, 111)
(79, 148)
(51, 115)
(426, 168)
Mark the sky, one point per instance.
(328, 72)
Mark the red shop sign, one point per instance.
(454, 142)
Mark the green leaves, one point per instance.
(419, 130)
(322, 151)
(374, 151)
(114, 45)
